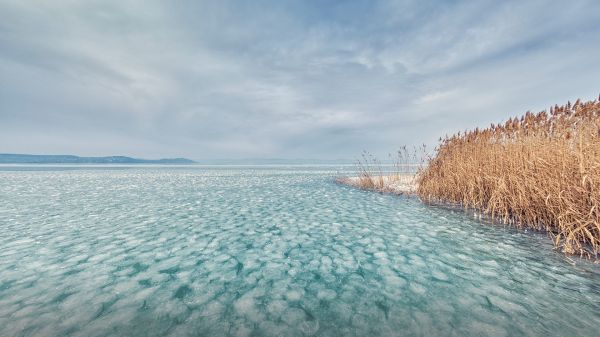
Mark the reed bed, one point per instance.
(539, 171)
(397, 178)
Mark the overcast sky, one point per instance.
(281, 79)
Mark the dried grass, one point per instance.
(540, 171)
(397, 178)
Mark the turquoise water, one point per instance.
(267, 251)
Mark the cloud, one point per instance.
(235, 79)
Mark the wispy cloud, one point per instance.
(214, 79)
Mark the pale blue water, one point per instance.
(271, 251)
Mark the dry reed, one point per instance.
(370, 172)
(397, 178)
(540, 171)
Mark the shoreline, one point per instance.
(399, 184)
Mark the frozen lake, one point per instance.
(267, 251)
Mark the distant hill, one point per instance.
(10, 158)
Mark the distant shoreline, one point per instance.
(15, 158)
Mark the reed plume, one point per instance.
(539, 171)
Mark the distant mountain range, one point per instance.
(10, 158)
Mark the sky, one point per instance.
(281, 79)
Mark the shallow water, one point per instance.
(267, 251)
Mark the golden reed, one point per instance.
(540, 171)
(372, 175)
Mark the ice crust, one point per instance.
(268, 252)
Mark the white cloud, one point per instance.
(236, 79)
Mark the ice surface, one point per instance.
(268, 252)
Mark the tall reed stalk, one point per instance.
(395, 178)
(540, 171)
